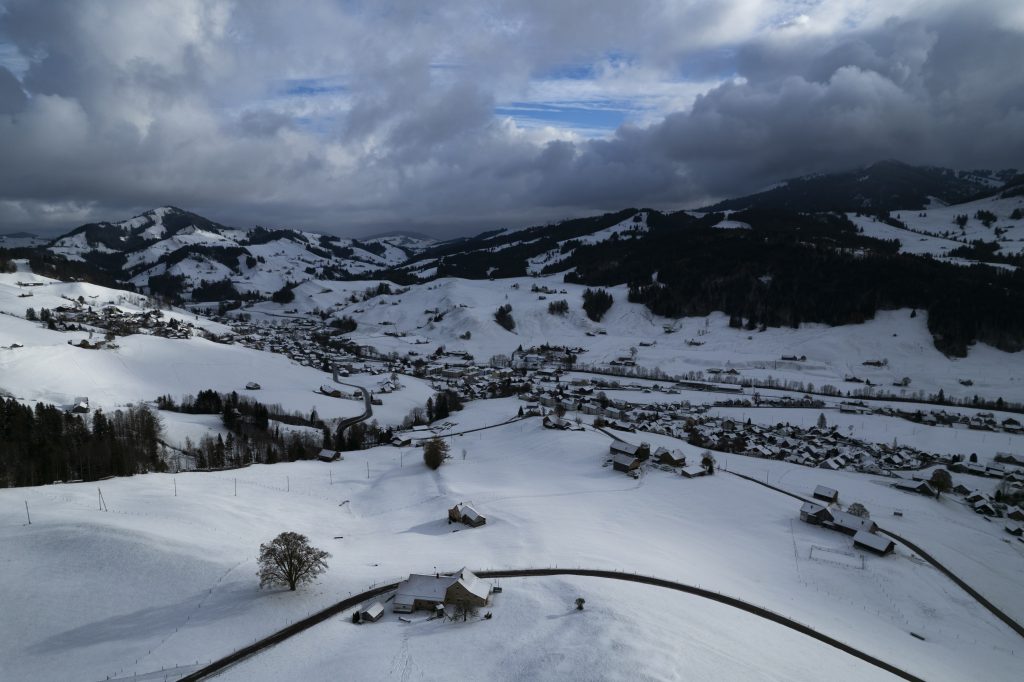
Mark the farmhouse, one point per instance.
(464, 513)
(826, 494)
(873, 543)
(693, 471)
(429, 591)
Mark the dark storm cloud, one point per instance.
(355, 118)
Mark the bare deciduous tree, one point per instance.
(290, 560)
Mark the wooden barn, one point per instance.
(873, 543)
(327, 455)
(824, 494)
(693, 471)
(465, 513)
(371, 613)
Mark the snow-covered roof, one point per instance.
(473, 583)
(826, 492)
(875, 542)
(621, 458)
(622, 446)
(373, 610)
(851, 522)
(424, 588)
(811, 508)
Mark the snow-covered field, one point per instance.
(170, 580)
(165, 579)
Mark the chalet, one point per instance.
(328, 455)
(874, 543)
(330, 390)
(826, 494)
(1014, 529)
(850, 524)
(814, 514)
(673, 458)
(371, 613)
(430, 591)
(961, 489)
(465, 513)
(81, 405)
(920, 487)
(625, 463)
(252, 386)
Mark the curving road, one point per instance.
(295, 628)
(367, 405)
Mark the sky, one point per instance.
(356, 117)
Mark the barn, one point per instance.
(371, 613)
(824, 494)
(850, 524)
(873, 543)
(465, 513)
(625, 463)
(641, 452)
(693, 471)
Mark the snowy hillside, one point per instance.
(935, 231)
(408, 321)
(165, 578)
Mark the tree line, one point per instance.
(793, 268)
(45, 443)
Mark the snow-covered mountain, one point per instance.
(173, 251)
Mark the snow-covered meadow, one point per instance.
(166, 577)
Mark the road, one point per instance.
(217, 666)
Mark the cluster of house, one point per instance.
(981, 421)
(829, 515)
(79, 316)
(628, 458)
(335, 392)
(816, 447)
